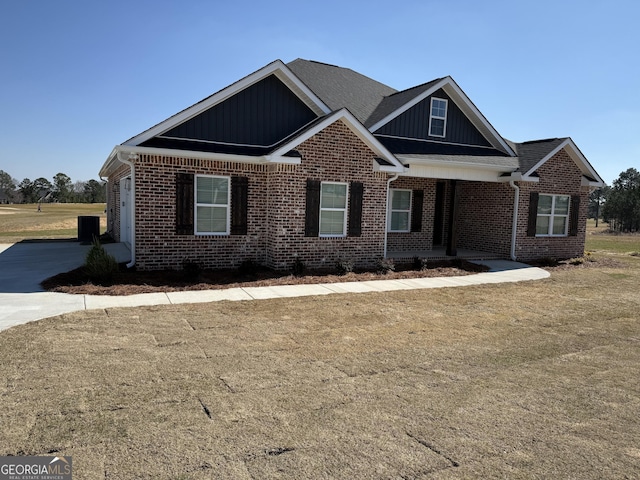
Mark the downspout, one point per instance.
(514, 226)
(129, 161)
(386, 213)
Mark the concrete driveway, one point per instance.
(24, 265)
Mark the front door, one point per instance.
(125, 211)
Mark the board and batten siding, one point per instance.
(414, 123)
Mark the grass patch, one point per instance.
(526, 380)
(56, 220)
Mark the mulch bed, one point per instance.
(130, 282)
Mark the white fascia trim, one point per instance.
(168, 152)
(577, 156)
(448, 163)
(276, 67)
(448, 82)
(355, 126)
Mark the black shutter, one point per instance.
(312, 213)
(533, 214)
(416, 210)
(574, 215)
(239, 200)
(355, 209)
(184, 204)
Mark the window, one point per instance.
(212, 205)
(552, 215)
(333, 209)
(399, 211)
(438, 117)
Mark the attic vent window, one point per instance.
(438, 117)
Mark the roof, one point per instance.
(396, 100)
(340, 87)
(530, 153)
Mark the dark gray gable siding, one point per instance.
(414, 123)
(261, 114)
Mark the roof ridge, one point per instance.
(416, 86)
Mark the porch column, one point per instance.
(452, 238)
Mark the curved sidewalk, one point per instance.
(22, 300)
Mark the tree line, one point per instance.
(60, 189)
(618, 204)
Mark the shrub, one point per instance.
(547, 262)
(191, 269)
(420, 264)
(576, 261)
(344, 266)
(99, 265)
(385, 265)
(635, 254)
(248, 267)
(299, 267)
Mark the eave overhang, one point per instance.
(426, 166)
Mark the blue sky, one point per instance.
(79, 77)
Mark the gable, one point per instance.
(414, 124)
(260, 115)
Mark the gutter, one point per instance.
(129, 161)
(386, 213)
(514, 225)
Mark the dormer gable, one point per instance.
(438, 111)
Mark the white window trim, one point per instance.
(432, 116)
(391, 209)
(345, 210)
(227, 207)
(552, 215)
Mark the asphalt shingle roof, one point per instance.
(396, 100)
(530, 153)
(340, 87)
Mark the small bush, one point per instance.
(248, 268)
(298, 268)
(99, 265)
(344, 266)
(635, 254)
(547, 262)
(191, 269)
(576, 261)
(385, 265)
(420, 264)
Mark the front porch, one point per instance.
(440, 253)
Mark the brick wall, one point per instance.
(337, 155)
(485, 217)
(559, 176)
(276, 208)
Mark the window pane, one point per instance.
(559, 225)
(400, 200)
(334, 195)
(438, 108)
(437, 127)
(399, 221)
(544, 204)
(542, 226)
(211, 220)
(212, 190)
(331, 222)
(562, 205)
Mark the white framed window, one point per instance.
(438, 117)
(212, 205)
(333, 209)
(399, 211)
(553, 215)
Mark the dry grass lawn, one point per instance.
(528, 380)
(56, 220)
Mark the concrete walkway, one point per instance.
(23, 266)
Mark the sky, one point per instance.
(79, 77)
